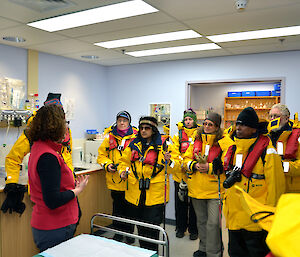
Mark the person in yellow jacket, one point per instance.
(13, 161)
(285, 138)
(203, 163)
(184, 211)
(281, 222)
(109, 153)
(252, 163)
(145, 166)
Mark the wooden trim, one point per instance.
(32, 72)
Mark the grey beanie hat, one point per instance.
(215, 118)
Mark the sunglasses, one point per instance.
(208, 124)
(145, 128)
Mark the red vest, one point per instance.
(184, 142)
(292, 145)
(255, 151)
(42, 217)
(213, 153)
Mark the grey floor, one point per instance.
(184, 247)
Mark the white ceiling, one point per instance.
(207, 17)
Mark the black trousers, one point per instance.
(120, 209)
(185, 214)
(243, 243)
(149, 214)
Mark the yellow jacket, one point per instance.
(107, 156)
(156, 192)
(177, 153)
(202, 185)
(292, 177)
(21, 148)
(266, 191)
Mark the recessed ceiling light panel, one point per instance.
(247, 35)
(162, 37)
(95, 15)
(172, 50)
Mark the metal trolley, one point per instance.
(164, 242)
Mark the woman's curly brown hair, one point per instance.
(48, 124)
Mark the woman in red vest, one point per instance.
(52, 186)
(205, 186)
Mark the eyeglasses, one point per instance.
(208, 124)
(145, 128)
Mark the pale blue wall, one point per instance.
(84, 82)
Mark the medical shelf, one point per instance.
(234, 105)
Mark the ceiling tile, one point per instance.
(117, 25)
(32, 36)
(135, 32)
(248, 20)
(63, 47)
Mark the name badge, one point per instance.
(190, 139)
(239, 160)
(206, 150)
(280, 148)
(286, 167)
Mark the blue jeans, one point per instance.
(45, 239)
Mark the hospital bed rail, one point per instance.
(164, 242)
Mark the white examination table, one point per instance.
(86, 245)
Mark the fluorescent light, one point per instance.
(172, 50)
(265, 33)
(95, 15)
(163, 37)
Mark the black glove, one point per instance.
(217, 166)
(14, 197)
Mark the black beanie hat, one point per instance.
(53, 98)
(152, 121)
(248, 117)
(124, 114)
(215, 118)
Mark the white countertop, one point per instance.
(88, 167)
